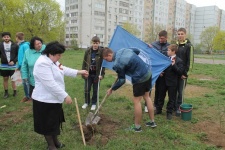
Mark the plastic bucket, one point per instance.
(186, 111)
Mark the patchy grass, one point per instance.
(206, 130)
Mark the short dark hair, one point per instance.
(20, 35)
(54, 48)
(95, 39)
(33, 39)
(106, 51)
(163, 33)
(6, 33)
(173, 47)
(182, 29)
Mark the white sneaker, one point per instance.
(93, 107)
(85, 106)
(146, 109)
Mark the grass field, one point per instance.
(206, 131)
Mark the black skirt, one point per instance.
(48, 117)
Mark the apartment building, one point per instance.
(87, 18)
(205, 17)
(222, 21)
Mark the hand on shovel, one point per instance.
(109, 91)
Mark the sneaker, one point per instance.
(178, 113)
(85, 106)
(93, 107)
(146, 109)
(6, 95)
(151, 124)
(169, 116)
(24, 100)
(134, 129)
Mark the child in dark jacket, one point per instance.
(92, 63)
(170, 76)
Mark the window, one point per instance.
(99, 13)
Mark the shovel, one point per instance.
(93, 118)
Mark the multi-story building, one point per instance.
(205, 17)
(148, 19)
(222, 21)
(87, 18)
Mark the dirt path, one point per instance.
(209, 61)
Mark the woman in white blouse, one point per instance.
(49, 93)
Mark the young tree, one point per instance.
(219, 41)
(207, 37)
(153, 33)
(41, 18)
(131, 28)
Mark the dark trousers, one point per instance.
(181, 84)
(92, 80)
(172, 92)
(31, 90)
(159, 85)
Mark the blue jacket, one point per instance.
(23, 46)
(127, 62)
(161, 47)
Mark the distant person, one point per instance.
(160, 45)
(23, 46)
(49, 93)
(185, 53)
(92, 63)
(127, 62)
(170, 79)
(8, 54)
(30, 57)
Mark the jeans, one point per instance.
(89, 82)
(180, 92)
(26, 88)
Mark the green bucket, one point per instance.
(186, 111)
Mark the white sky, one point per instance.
(198, 3)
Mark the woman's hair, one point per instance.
(33, 39)
(54, 48)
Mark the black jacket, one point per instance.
(13, 53)
(185, 52)
(172, 73)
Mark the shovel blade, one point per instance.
(91, 119)
(96, 120)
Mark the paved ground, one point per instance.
(209, 61)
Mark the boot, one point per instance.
(6, 95)
(14, 93)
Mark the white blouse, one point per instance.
(49, 80)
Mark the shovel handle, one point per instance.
(78, 115)
(106, 95)
(101, 104)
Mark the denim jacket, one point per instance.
(127, 62)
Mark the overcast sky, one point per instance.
(198, 3)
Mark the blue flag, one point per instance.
(156, 61)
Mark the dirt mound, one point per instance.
(210, 132)
(100, 134)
